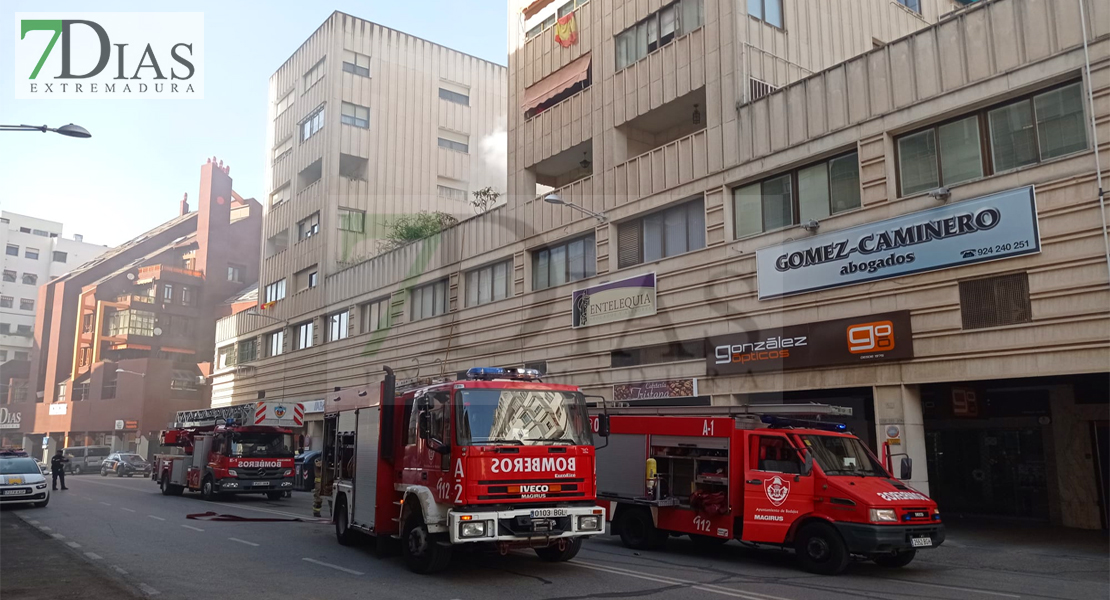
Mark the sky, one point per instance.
(145, 154)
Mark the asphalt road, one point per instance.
(126, 527)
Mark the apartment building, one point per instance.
(124, 341)
(34, 253)
(910, 227)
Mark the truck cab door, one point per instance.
(435, 443)
(776, 492)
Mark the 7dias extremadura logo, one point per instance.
(141, 56)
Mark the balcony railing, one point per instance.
(156, 271)
(662, 168)
(129, 298)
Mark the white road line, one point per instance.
(45, 528)
(704, 587)
(93, 555)
(331, 566)
(156, 518)
(193, 528)
(73, 544)
(117, 569)
(33, 522)
(58, 536)
(149, 591)
(154, 491)
(952, 587)
(243, 542)
(128, 509)
(106, 503)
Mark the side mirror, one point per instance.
(807, 465)
(603, 425)
(906, 469)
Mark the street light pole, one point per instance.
(555, 199)
(70, 130)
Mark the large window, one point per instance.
(658, 30)
(914, 5)
(428, 300)
(353, 114)
(277, 342)
(6, 301)
(452, 140)
(453, 96)
(489, 283)
(281, 194)
(11, 250)
(10, 275)
(31, 253)
(26, 304)
(313, 124)
(275, 291)
(283, 104)
(564, 262)
(226, 357)
(248, 350)
(450, 193)
(356, 63)
(375, 315)
(30, 279)
(60, 256)
(308, 227)
(316, 73)
(283, 148)
(131, 322)
(812, 192)
(668, 232)
(770, 11)
(337, 325)
(306, 278)
(304, 335)
(1016, 134)
(352, 220)
(235, 273)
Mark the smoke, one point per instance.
(494, 154)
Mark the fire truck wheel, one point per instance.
(422, 551)
(552, 553)
(208, 489)
(896, 560)
(343, 533)
(638, 530)
(707, 541)
(821, 550)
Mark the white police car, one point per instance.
(22, 480)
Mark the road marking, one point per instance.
(236, 506)
(58, 536)
(105, 503)
(128, 509)
(73, 544)
(93, 555)
(33, 522)
(704, 587)
(117, 569)
(243, 542)
(149, 591)
(193, 528)
(331, 566)
(157, 518)
(952, 587)
(45, 528)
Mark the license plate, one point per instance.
(922, 542)
(15, 492)
(543, 513)
(261, 483)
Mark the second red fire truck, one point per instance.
(499, 458)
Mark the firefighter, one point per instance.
(323, 482)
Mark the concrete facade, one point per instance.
(974, 61)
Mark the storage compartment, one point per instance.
(687, 465)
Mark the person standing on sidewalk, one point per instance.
(58, 469)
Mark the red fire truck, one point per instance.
(498, 458)
(722, 473)
(246, 448)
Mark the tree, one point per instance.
(410, 228)
(484, 199)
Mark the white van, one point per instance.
(85, 459)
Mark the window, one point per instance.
(673, 351)
(283, 104)
(277, 243)
(226, 357)
(914, 5)
(658, 30)
(30, 279)
(995, 301)
(31, 253)
(131, 322)
(3, 356)
(60, 256)
(668, 232)
(450, 193)
(6, 301)
(774, 454)
(186, 295)
(24, 330)
(248, 350)
(275, 291)
(353, 167)
(313, 124)
(282, 149)
(9, 276)
(375, 315)
(1023, 132)
(167, 291)
(281, 194)
(453, 96)
(26, 304)
(277, 342)
(812, 192)
(353, 114)
(22, 355)
(316, 73)
(770, 11)
(6, 328)
(11, 250)
(428, 300)
(305, 278)
(61, 392)
(356, 63)
(337, 326)
(108, 386)
(489, 283)
(308, 226)
(304, 335)
(564, 262)
(451, 140)
(352, 220)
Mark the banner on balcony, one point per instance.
(566, 31)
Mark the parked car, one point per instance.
(305, 475)
(22, 480)
(125, 464)
(85, 459)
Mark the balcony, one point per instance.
(159, 272)
(546, 216)
(660, 169)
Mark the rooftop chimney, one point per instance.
(184, 205)
(77, 237)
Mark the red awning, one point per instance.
(553, 84)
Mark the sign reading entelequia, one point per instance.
(998, 226)
(614, 301)
(109, 55)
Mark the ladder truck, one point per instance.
(498, 459)
(240, 449)
(763, 476)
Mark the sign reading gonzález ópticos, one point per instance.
(1001, 225)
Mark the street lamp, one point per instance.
(254, 312)
(131, 372)
(70, 130)
(555, 199)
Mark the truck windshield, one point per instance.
(261, 445)
(525, 417)
(842, 456)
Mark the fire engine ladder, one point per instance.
(208, 416)
(746, 415)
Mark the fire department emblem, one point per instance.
(777, 489)
(279, 411)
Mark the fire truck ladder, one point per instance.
(808, 409)
(208, 416)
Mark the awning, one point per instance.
(552, 85)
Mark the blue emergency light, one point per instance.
(488, 373)
(784, 422)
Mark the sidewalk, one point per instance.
(34, 566)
